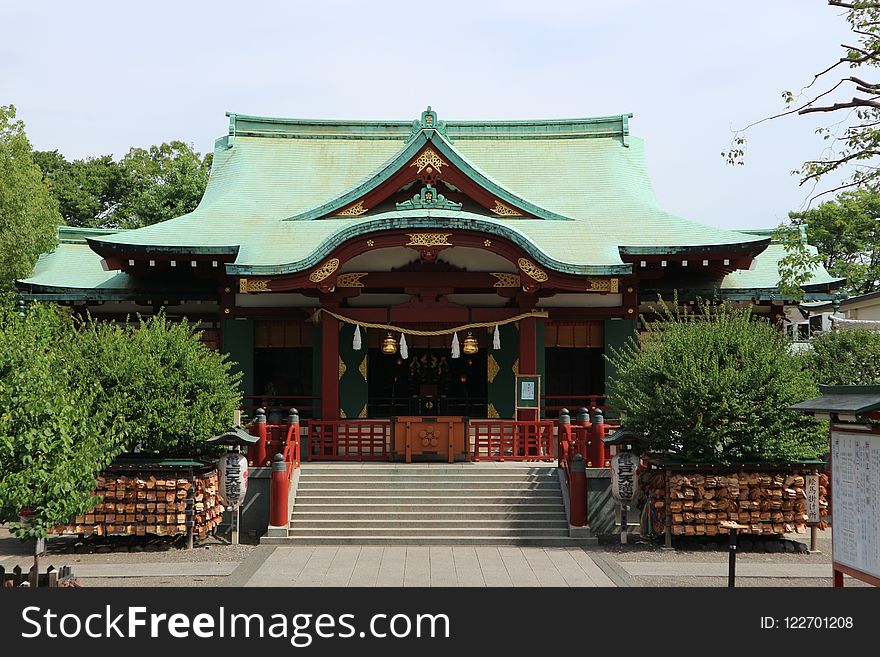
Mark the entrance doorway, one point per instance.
(427, 383)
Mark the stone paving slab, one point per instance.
(153, 569)
(705, 569)
(424, 566)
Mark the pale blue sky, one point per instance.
(94, 77)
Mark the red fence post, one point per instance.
(258, 460)
(564, 435)
(578, 492)
(278, 492)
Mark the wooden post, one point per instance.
(528, 360)
(838, 579)
(667, 525)
(329, 367)
(578, 492)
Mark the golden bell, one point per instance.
(389, 344)
(470, 346)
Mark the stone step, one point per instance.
(460, 494)
(541, 541)
(376, 532)
(389, 506)
(428, 514)
(411, 468)
(425, 523)
(441, 484)
(432, 477)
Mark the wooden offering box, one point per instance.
(430, 436)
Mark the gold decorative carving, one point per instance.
(493, 412)
(353, 210)
(429, 239)
(503, 210)
(370, 242)
(324, 270)
(515, 367)
(531, 270)
(487, 242)
(363, 412)
(428, 159)
(492, 368)
(350, 280)
(603, 285)
(247, 285)
(506, 280)
(362, 368)
(342, 414)
(341, 368)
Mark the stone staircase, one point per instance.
(429, 504)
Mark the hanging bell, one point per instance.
(470, 346)
(389, 344)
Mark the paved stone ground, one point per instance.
(428, 566)
(641, 563)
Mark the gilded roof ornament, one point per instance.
(350, 279)
(503, 210)
(506, 280)
(531, 270)
(429, 159)
(429, 199)
(428, 122)
(428, 239)
(353, 210)
(324, 270)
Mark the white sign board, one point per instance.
(233, 468)
(855, 491)
(528, 390)
(624, 482)
(812, 490)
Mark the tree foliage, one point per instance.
(172, 391)
(56, 433)
(145, 187)
(846, 357)
(845, 90)
(713, 387)
(73, 395)
(28, 212)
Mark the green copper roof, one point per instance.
(588, 170)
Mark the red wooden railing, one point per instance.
(275, 439)
(511, 440)
(349, 440)
(307, 405)
(552, 404)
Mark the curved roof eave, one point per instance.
(406, 153)
(435, 219)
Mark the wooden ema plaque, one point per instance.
(429, 436)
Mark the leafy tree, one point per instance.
(713, 387)
(88, 191)
(846, 232)
(850, 96)
(172, 391)
(847, 357)
(55, 432)
(160, 183)
(28, 212)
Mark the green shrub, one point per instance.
(55, 434)
(172, 391)
(713, 387)
(848, 357)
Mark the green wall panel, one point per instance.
(617, 332)
(238, 342)
(353, 390)
(503, 365)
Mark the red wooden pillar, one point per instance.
(528, 358)
(329, 367)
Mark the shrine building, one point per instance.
(371, 272)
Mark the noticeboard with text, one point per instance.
(855, 458)
(528, 391)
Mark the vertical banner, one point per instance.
(812, 491)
